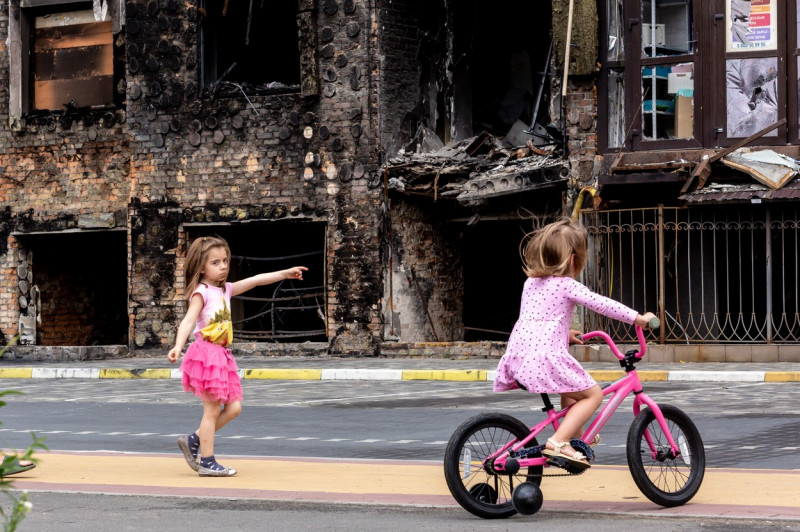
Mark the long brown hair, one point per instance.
(549, 249)
(196, 259)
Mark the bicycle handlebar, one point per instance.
(654, 323)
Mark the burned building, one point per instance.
(398, 149)
(285, 127)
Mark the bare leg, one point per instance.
(565, 402)
(224, 415)
(585, 404)
(208, 427)
(229, 412)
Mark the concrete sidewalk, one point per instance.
(769, 494)
(391, 369)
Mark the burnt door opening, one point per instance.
(493, 278)
(501, 51)
(286, 311)
(82, 283)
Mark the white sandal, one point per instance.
(577, 459)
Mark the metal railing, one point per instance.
(725, 274)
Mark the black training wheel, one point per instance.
(527, 498)
(471, 479)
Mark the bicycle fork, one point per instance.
(656, 452)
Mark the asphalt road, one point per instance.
(745, 425)
(62, 512)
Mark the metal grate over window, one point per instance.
(727, 275)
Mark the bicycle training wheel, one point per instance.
(472, 481)
(661, 477)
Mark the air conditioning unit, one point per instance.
(647, 33)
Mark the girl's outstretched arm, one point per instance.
(244, 285)
(186, 327)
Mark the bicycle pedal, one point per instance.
(566, 465)
(563, 463)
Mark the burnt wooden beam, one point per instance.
(702, 171)
(652, 166)
(641, 178)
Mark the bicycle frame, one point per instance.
(618, 390)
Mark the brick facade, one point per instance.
(174, 158)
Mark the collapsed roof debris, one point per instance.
(474, 170)
(765, 166)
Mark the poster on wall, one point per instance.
(752, 25)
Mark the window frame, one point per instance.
(308, 60)
(631, 67)
(719, 106)
(20, 99)
(710, 60)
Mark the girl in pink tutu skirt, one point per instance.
(537, 356)
(209, 369)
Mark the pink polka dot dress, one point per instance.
(537, 355)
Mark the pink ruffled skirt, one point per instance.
(210, 372)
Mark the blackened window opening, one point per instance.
(251, 43)
(72, 59)
(286, 311)
(502, 49)
(83, 288)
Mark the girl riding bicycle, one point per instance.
(537, 357)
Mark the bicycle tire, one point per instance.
(477, 489)
(665, 480)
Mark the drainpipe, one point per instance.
(579, 202)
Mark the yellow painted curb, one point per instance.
(444, 375)
(284, 374)
(16, 373)
(111, 373)
(603, 375)
(782, 376)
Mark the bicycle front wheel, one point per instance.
(663, 478)
(468, 469)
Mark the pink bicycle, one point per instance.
(493, 463)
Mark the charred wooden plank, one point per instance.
(97, 90)
(81, 62)
(72, 36)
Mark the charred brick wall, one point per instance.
(413, 55)
(176, 152)
(222, 157)
(581, 122)
(425, 276)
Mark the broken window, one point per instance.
(75, 288)
(286, 311)
(745, 81)
(501, 77)
(251, 43)
(61, 55)
(666, 34)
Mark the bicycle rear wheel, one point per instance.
(661, 477)
(473, 483)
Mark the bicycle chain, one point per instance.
(528, 451)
